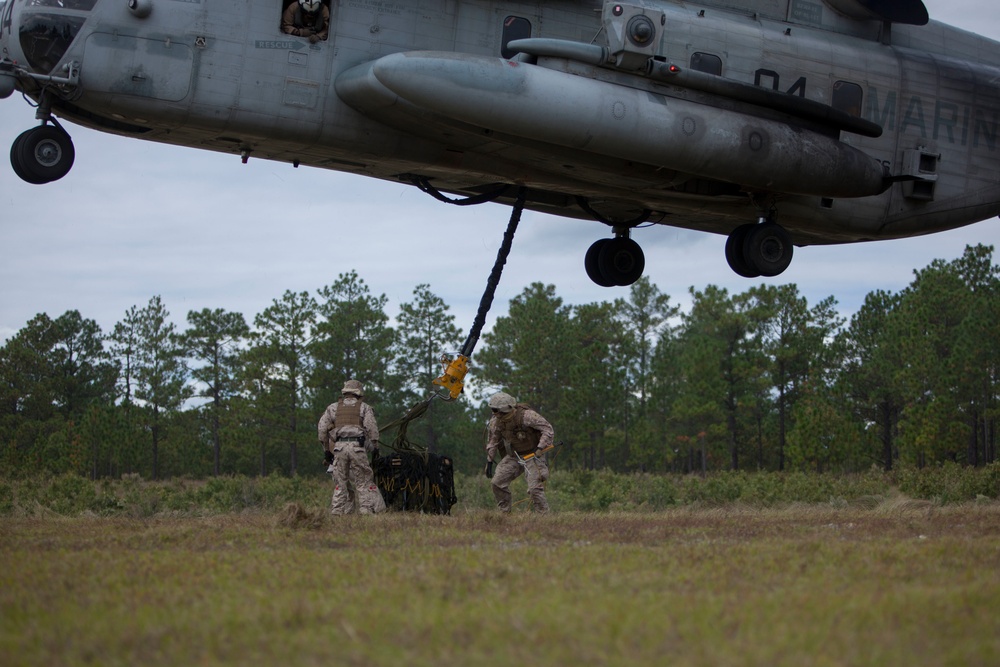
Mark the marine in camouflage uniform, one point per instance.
(348, 429)
(516, 430)
(307, 18)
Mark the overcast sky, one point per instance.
(135, 219)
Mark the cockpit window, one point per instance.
(514, 27)
(78, 5)
(45, 38)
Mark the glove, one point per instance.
(327, 457)
(313, 38)
(488, 470)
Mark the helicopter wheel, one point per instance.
(768, 248)
(762, 249)
(42, 154)
(734, 252)
(618, 261)
(591, 262)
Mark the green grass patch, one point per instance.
(899, 582)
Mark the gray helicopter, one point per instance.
(778, 123)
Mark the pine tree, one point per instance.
(213, 340)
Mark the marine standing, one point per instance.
(348, 431)
(518, 437)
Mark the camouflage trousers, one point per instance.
(536, 472)
(351, 469)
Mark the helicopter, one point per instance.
(777, 123)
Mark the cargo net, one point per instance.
(410, 478)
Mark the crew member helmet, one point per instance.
(502, 402)
(353, 387)
(310, 6)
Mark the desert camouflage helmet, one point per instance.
(502, 402)
(353, 387)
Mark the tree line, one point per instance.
(759, 380)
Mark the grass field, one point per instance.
(902, 582)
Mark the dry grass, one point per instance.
(294, 515)
(893, 582)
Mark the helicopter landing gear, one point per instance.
(615, 262)
(42, 154)
(762, 249)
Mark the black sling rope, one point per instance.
(400, 442)
(412, 461)
(508, 238)
(425, 186)
(494, 279)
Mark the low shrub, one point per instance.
(950, 482)
(567, 490)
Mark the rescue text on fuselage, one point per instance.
(787, 122)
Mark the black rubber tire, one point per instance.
(42, 154)
(621, 261)
(15, 161)
(768, 248)
(735, 254)
(591, 262)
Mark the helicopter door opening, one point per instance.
(307, 19)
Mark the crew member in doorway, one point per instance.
(349, 432)
(307, 18)
(518, 437)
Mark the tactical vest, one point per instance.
(347, 415)
(521, 438)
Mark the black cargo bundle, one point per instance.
(416, 482)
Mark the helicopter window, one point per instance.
(79, 5)
(297, 21)
(706, 62)
(45, 38)
(514, 27)
(847, 97)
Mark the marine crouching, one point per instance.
(518, 438)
